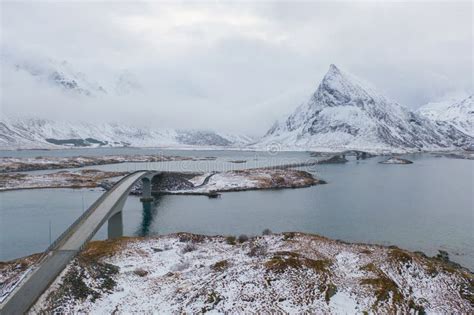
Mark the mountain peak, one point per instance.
(333, 68)
(333, 73)
(346, 112)
(336, 76)
(339, 87)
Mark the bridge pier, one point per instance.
(115, 226)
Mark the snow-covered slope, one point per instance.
(63, 76)
(43, 133)
(459, 114)
(290, 273)
(347, 113)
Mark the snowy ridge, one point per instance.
(42, 133)
(61, 75)
(347, 113)
(64, 76)
(459, 114)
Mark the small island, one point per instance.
(396, 160)
(209, 184)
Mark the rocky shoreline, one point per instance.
(288, 272)
(13, 164)
(88, 178)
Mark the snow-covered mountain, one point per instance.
(42, 133)
(347, 113)
(343, 113)
(65, 77)
(459, 114)
(61, 75)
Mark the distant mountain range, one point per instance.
(347, 113)
(343, 113)
(459, 114)
(43, 133)
(65, 77)
(33, 132)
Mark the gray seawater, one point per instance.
(426, 206)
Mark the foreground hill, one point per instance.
(346, 113)
(290, 272)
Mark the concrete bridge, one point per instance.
(107, 208)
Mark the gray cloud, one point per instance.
(233, 66)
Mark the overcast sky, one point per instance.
(232, 66)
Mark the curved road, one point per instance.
(66, 247)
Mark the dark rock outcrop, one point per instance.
(336, 159)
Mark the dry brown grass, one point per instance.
(282, 261)
(220, 265)
(398, 255)
(96, 250)
(19, 265)
(192, 238)
(383, 286)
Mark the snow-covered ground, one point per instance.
(282, 273)
(13, 272)
(250, 179)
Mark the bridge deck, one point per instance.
(31, 288)
(92, 222)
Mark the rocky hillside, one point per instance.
(347, 113)
(279, 273)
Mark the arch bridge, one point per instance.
(109, 208)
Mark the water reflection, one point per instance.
(149, 212)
